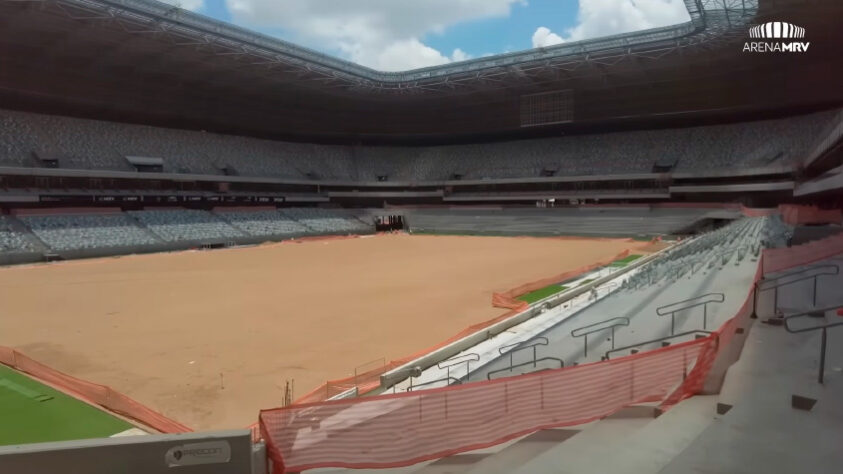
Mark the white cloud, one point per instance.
(192, 5)
(382, 34)
(544, 37)
(460, 55)
(598, 18)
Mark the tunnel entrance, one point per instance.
(389, 223)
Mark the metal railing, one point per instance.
(511, 349)
(776, 283)
(702, 300)
(455, 381)
(824, 328)
(466, 359)
(597, 327)
(660, 339)
(534, 363)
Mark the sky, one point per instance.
(398, 35)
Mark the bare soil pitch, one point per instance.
(162, 328)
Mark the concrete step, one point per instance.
(575, 455)
(632, 445)
(517, 454)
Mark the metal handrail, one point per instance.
(823, 328)
(661, 339)
(466, 359)
(471, 357)
(700, 301)
(777, 285)
(621, 321)
(540, 341)
(519, 346)
(511, 367)
(456, 381)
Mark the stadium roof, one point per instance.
(144, 61)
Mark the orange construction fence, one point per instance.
(776, 260)
(758, 212)
(403, 429)
(92, 393)
(508, 299)
(799, 215)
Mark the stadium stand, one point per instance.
(75, 232)
(184, 224)
(88, 234)
(327, 220)
(263, 223)
(585, 222)
(99, 145)
(11, 241)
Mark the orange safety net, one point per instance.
(757, 212)
(508, 299)
(92, 393)
(776, 260)
(403, 429)
(798, 215)
(407, 428)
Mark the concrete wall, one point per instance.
(224, 452)
(35, 257)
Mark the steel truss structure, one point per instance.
(711, 22)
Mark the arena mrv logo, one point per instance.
(773, 36)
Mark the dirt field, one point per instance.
(163, 328)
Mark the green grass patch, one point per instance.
(31, 412)
(586, 281)
(542, 293)
(625, 261)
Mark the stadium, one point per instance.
(223, 252)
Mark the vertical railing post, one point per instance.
(822, 355)
(613, 337)
(754, 314)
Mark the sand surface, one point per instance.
(162, 328)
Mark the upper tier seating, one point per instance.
(586, 222)
(76, 232)
(100, 145)
(185, 224)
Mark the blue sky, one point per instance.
(406, 34)
(512, 33)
